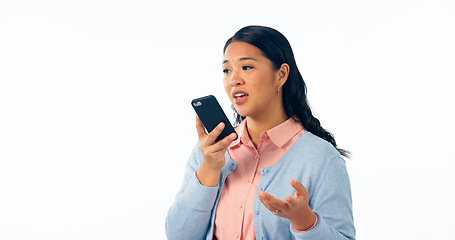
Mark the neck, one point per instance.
(257, 125)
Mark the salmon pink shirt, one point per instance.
(234, 215)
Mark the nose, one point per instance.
(236, 79)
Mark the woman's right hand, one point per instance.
(212, 153)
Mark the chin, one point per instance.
(241, 112)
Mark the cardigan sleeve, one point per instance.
(332, 203)
(190, 214)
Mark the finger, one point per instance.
(292, 202)
(269, 206)
(272, 201)
(266, 203)
(215, 133)
(200, 129)
(301, 191)
(223, 144)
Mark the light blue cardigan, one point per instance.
(312, 161)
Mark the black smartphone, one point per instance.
(211, 114)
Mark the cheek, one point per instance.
(269, 80)
(261, 83)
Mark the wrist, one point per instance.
(208, 177)
(306, 223)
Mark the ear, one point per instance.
(282, 74)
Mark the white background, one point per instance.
(96, 124)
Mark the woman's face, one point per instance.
(251, 81)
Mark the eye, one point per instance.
(246, 68)
(226, 71)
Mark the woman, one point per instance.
(283, 177)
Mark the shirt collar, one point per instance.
(284, 132)
(242, 134)
(279, 134)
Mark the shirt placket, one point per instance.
(251, 182)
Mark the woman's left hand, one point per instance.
(295, 209)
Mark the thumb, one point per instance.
(301, 191)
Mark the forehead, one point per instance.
(238, 50)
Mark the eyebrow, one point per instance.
(242, 59)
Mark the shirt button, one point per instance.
(247, 181)
(236, 235)
(257, 212)
(240, 206)
(256, 157)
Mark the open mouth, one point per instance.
(240, 95)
